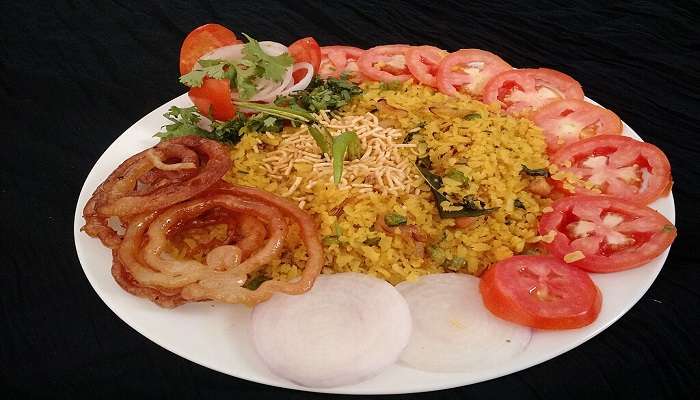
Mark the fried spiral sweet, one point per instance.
(161, 194)
(161, 176)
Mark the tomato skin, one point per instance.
(622, 153)
(214, 97)
(423, 62)
(567, 121)
(448, 80)
(511, 290)
(653, 230)
(337, 60)
(519, 91)
(201, 41)
(305, 50)
(385, 54)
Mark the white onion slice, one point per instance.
(347, 328)
(452, 330)
(233, 52)
(304, 82)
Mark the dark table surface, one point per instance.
(74, 75)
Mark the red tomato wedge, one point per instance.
(385, 63)
(614, 165)
(305, 50)
(338, 60)
(201, 41)
(567, 121)
(540, 292)
(611, 233)
(423, 61)
(468, 70)
(214, 98)
(522, 91)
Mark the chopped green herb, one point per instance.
(457, 176)
(472, 116)
(393, 219)
(455, 264)
(346, 146)
(273, 67)
(328, 94)
(323, 139)
(184, 122)
(329, 240)
(534, 172)
(518, 204)
(255, 282)
(437, 254)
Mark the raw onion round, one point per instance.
(347, 328)
(452, 330)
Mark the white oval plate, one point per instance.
(217, 335)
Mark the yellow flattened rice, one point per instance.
(478, 151)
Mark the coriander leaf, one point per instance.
(184, 122)
(393, 219)
(273, 67)
(328, 94)
(194, 78)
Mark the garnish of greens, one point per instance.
(329, 94)
(335, 238)
(470, 208)
(534, 171)
(242, 74)
(393, 219)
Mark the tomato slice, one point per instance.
(385, 63)
(305, 50)
(522, 91)
(614, 165)
(540, 292)
(338, 60)
(423, 62)
(201, 41)
(214, 98)
(468, 70)
(611, 233)
(567, 121)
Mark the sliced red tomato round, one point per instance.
(468, 70)
(423, 62)
(385, 63)
(540, 292)
(523, 91)
(338, 60)
(614, 165)
(567, 121)
(214, 98)
(305, 50)
(605, 234)
(201, 41)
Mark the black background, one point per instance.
(74, 75)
